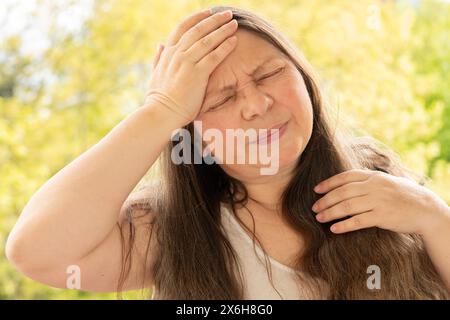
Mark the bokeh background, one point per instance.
(71, 70)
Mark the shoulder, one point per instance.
(142, 204)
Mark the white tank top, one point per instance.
(257, 283)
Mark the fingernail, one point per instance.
(231, 22)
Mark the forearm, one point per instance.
(78, 207)
(437, 244)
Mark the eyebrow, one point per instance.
(233, 86)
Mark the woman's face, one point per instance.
(274, 94)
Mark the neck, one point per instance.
(266, 191)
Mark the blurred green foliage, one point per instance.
(383, 64)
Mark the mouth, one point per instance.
(269, 136)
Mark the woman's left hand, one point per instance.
(377, 199)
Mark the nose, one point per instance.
(255, 103)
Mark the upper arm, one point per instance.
(100, 270)
(104, 264)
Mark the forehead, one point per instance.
(251, 50)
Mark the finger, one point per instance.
(344, 192)
(185, 25)
(349, 207)
(203, 28)
(214, 58)
(343, 178)
(203, 46)
(158, 55)
(358, 222)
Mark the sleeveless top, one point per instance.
(283, 283)
(257, 285)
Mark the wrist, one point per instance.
(169, 103)
(164, 115)
(439, 221)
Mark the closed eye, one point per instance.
(271, 74)
(216, 106)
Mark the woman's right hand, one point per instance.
(181, 68)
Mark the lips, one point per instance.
(268, 137)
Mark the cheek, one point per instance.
(294, 95)
(214, 123)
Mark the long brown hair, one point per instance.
(195, 260)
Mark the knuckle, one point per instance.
(386, 183)
(192, 32)
(196, 29)
(172, 50)
(177, 58)
(379, 173)
(381, 180)
(206, 41)
(347, 178)
(356, 222)
(376, 173)
(347, 206)
(329, 214)
(214, 56)
(181, 61)
(376, 178)
(344, 193)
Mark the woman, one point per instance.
(334, 210)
